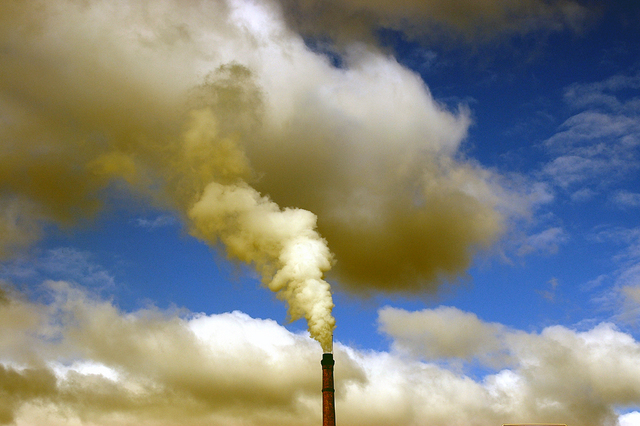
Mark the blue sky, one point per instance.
(178, 179)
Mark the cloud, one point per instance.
(22, 385)
(152, 366)
(158, 222)
(602, 93)
(93, 109)
(630, 419)
(172, 100)
(630, 301)
(560, 374)
(19, 319)
(621, 296)
(583, 195)
(64, 263)
(441, 333)
(546, 241)
(632, 293)
(626, 199)
(550, 295)
(597, 147)
(628, 258)
(18, 225)
(473, 20)
(89, 362)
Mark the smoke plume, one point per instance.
(282, 244)
(219, 111)
(79, 123)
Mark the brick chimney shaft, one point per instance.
(328, 400)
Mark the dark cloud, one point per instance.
(471, 20)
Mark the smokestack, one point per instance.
(328, 402)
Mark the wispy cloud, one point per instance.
(603, 94)
(600, 145)
(550, 294)
(625, 198)
(62, 263)
(157, 222)
(622, 296)
(545, 242)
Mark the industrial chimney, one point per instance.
(328, 402)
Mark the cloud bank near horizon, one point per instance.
(78, 359)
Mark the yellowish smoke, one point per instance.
(219, 112)
(79, 125)
(282, 244)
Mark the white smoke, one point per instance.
(282, 244)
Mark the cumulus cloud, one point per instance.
(80, 360)
(98, 364)
(630, 419)
(557, 375)
(444, 332)
(172, 100)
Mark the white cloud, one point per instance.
(602, 94)
(560, 374)
(600, 144)
(572, 169)
(158, 222)
(621, 297)
(544, 242)
(550, 294)
(89, 363)
(630, 419)
(84, 368)
(625, 198)
(582, 195)
(440, 333)
(66, 263)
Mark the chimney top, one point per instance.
(327, 359)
